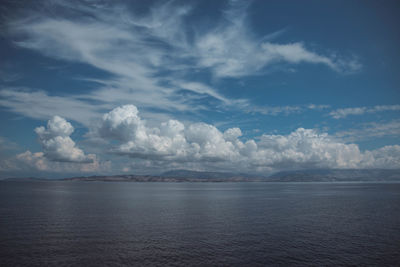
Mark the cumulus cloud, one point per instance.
(306, 147)
(139, 148)
(202, 144)
(57, 144)
(60, 154)
(385, 157)
(344, 112)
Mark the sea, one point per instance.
(65, 223)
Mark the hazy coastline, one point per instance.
(320, 175)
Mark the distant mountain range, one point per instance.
(207, 175)
(336, 175)
(320, 175)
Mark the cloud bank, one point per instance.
(136, 147)
(203, 145)
(37, 162)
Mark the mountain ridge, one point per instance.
(312, 175)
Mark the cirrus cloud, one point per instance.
(144, 54)
(344, 112)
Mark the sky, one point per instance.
(142, 87)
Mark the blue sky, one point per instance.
(95, 87)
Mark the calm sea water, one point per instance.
(199, 224)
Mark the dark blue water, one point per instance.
(199, 224)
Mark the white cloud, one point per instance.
(198, 146)
(307, 148)
(202, 145)
(385, 157)
(60, 154)
(40, 105)
(151, 56)
(275, 110)
(203, 89)
(279, 110)
(28, 161)
(35, 160)
(57, 143)
(371, 130)
(385, 108)
(28, 164)
(297, 53)
(116, 42)
(344, 112)
(6, 144)
(232, 50)
(317, 107)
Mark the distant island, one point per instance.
(318, 175)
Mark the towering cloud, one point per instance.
(57, 143)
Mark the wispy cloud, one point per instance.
(371, 130)
(344, 112)
(7, 76)
(41, 105)
(231, 50)
(283, 110)
(153, 61)
(150, 56)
